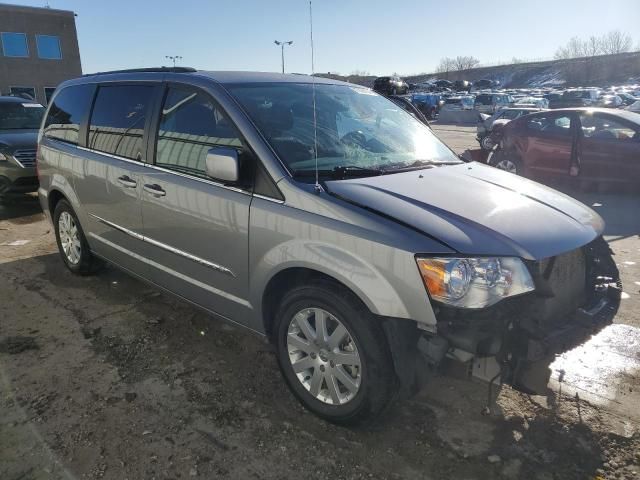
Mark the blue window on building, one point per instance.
(49, 47)
(14, 44)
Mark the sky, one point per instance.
(377, 36)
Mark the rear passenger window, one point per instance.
(66, 113)
(190, 124)
(118, 118)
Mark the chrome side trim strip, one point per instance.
(179, 275)
(164, 246)
(263, 197)
(110, 155)
(198, 179)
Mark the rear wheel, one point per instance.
(508, 163)
(333, 354)
(71, 240)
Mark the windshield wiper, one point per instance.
(345, 171)
(417, 165)
(341, 172)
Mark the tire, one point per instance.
(78, 258)
(502, 161)
(373, 382)
(486, 144)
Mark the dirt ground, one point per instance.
(105, 377)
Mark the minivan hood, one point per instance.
(477, 210)
(26, 138)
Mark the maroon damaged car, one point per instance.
(578, 145)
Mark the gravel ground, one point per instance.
(105, 377)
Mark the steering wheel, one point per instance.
(355, 138)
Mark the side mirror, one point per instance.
(223, 164)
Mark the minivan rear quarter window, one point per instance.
(118, 119)
(66, 113)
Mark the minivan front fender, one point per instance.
(355, 273)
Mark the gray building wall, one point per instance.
(34, 71)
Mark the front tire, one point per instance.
(71, 241)
(486, 143)
(333, 354)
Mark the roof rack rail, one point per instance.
(150, 69)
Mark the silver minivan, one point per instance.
(324, 217)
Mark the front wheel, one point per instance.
(333, 354)
(486, 143)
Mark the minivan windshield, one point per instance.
(356, 128)
(20, 115)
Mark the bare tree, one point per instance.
(616, 42)
(360, 73)
(465, 62)
(593, 46)
(574, 48)
(613, 42)
(445, 66)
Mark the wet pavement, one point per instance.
(604, 371)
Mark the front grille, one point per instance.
(26, 157)
(562, 283)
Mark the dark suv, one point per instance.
(19, 123)
(390, 86)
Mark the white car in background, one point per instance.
(610, 101)
(492, 102)
(532, 102)
(634, 107)
(458, 103)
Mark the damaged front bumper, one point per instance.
(515, 341)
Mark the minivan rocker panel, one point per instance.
(361, 246)
(479, 210)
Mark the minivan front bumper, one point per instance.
(576, 295)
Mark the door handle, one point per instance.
(127, 182)
(154, 189)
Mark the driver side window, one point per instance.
(191, 123)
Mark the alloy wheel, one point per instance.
(486, 142)
(69, 237)
(324, 356)
(507, 165)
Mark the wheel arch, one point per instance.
(278, 285)
(401, 334)
(54, 197)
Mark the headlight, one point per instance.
(3, 157)
(474, 282)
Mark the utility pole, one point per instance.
(282, 44)
(173, 58)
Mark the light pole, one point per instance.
(173, 58)
(282, 44)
